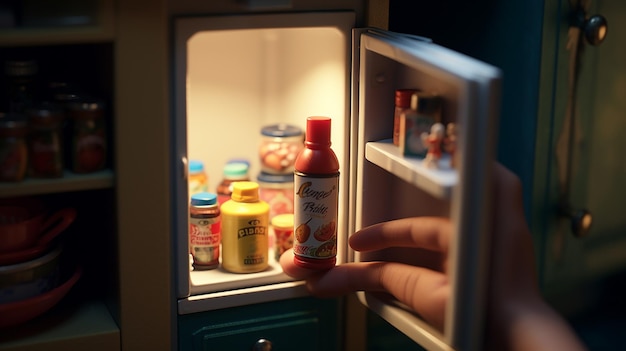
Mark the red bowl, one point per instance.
(24, 310)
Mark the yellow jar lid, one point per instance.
(245, 191)
(284, 220)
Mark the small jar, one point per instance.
(280, 145)
(232, 172)
(198, 180)
(282, 225)
(13, 147)
(89, 146)
(402, 103)
(277, 191)
(205, 230)
(45, 141)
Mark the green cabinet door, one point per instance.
(306, 324)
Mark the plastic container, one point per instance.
(198, 180)
(232, 172)
(245, 227)
(316, 198)
(205, 230)
(279, 147)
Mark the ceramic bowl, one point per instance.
(25, 223)
(19, 312)
(31, 278)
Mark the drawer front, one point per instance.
(300, 324)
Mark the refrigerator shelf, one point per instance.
(437, 182)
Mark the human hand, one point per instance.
(517, 316)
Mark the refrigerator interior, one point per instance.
(237, 74)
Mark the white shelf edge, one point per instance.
(408, 323)
(437, 182)
(242, 297)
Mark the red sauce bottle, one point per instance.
(316, 201)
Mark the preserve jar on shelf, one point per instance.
(45, 140)
(89, 145)
(279, 147)
(13, 147)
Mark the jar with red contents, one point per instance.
(45, 140)
(89, 146)
(280, 145)
(13, 147)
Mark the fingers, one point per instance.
(431, 233)
(423, 290)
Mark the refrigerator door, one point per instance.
(388, 185)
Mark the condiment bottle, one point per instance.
(316, 200)
(415, 123)
(89, 148)
(232, 172)
(280, 145)
(198, 180)
(45, 140)
(13, 147)
(402, 103)
(245, 225)
(205, 230)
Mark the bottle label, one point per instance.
(316, 205)
(204, 239)
(245, 243)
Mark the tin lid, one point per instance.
(281, 130)
(275, 178)
(196, 166)
(235, 170)
(284, 220)
(245, 192)
(12, 124)
(203, 199)
(45, 113)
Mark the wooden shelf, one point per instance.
(69, 182)
(67, 326)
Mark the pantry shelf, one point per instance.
(69, 182)
(437, 182)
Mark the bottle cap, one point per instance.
(235, 170)
(318, 130)
(203, 199)
(245, 191)
(284, 220)
(403, 97)
(196, 166)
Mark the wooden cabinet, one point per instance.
(72, 45)
(302, 324)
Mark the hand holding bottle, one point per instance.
(517, 317)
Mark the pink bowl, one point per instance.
(22, 311)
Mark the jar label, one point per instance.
(204, 239)
(245, 243)
(316, 205)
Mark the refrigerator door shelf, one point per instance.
(437, 182)
(470, 93)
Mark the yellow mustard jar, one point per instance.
(245, 226)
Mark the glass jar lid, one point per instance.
(281, 130)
